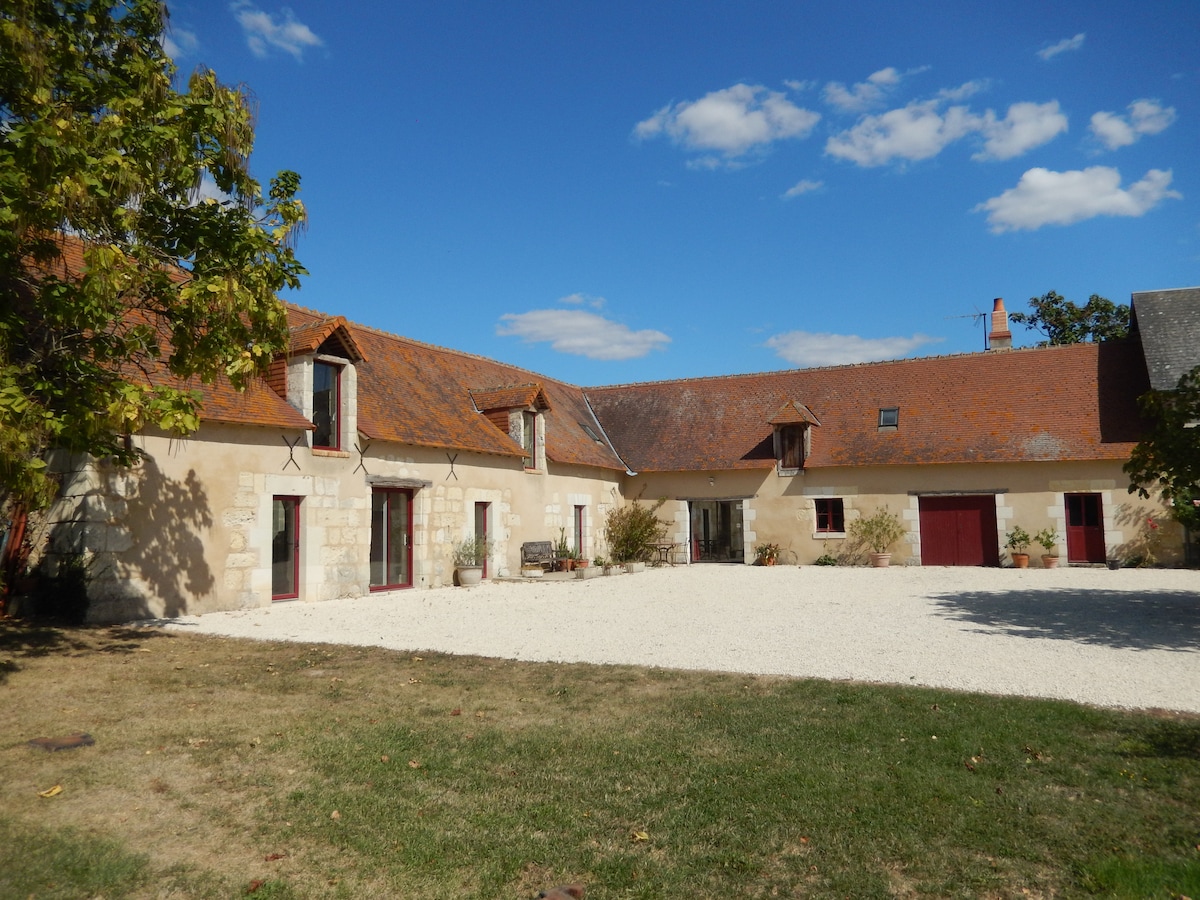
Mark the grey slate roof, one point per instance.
(1168, 325)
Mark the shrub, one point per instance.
(879, 530)
(471, 551)
(632, 530)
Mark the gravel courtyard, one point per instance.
(1127, 638)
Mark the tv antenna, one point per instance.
(975, 317)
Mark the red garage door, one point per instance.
(959, 531)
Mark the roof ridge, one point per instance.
(979, 354)
(451, 350)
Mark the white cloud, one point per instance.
(263, 31)
(583, 300)
(1043, 197)
(581, 333)
(179, 42)
(799, 87)
(1072, 43)
(731, 122)
(802, 187)
(964, 90)
(1027, 125)
(917, 131)
(864, 95)
(1145, 117)
(806, 348)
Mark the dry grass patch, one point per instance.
(226, 767)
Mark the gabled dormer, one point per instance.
(518, 411)
(320, 381)
(792, 425)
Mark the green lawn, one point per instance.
(231, 768)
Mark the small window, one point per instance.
(326, 403)
(587, 429)
(831, 517)
(889, 417)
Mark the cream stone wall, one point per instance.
(188, 530)
(782, 509)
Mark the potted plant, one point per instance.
(564, 553)
(767, 554)
(1048, 538)
(469, 556)
(1018, 547)
(879, 531)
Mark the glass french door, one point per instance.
(285, 548)
(391, 539)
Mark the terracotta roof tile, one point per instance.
(308, 337)
(1053, 403)
(418, 394)
(521, 396)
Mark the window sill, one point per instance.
(784, 473)
(335, 454)
(828, 535)
(529, 471)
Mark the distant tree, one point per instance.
(1064, 322)
(1168, 457)
(182, 254)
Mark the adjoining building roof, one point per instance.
(1168, 324)
(1055, 403)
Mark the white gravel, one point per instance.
(1128, 638)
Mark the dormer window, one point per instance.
(793, 426)
(327, 399)
(518, 410)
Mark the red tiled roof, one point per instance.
(220, 402)
(307, 338)
(793, 413)
(1055, 403)
(418, 394)
(521, 396)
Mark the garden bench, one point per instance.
(538, 553)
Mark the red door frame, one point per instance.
(1085, 528)
(292, 509)
(386, 548)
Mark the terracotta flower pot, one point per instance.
(881, 560)
(1050, 562)
(1020, 560)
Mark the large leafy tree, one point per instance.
(137, 252)
(1065, 322)
(1167, 459)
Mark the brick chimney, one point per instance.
(1000, 338)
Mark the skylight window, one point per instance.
(889, 417)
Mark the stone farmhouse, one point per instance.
(364, 457)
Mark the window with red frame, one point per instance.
(831, 516)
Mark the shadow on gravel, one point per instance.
(1162, 620)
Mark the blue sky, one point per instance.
(614, 191)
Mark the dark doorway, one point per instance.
(717, 531)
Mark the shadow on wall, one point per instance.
(1125, 620)
(143, 534)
